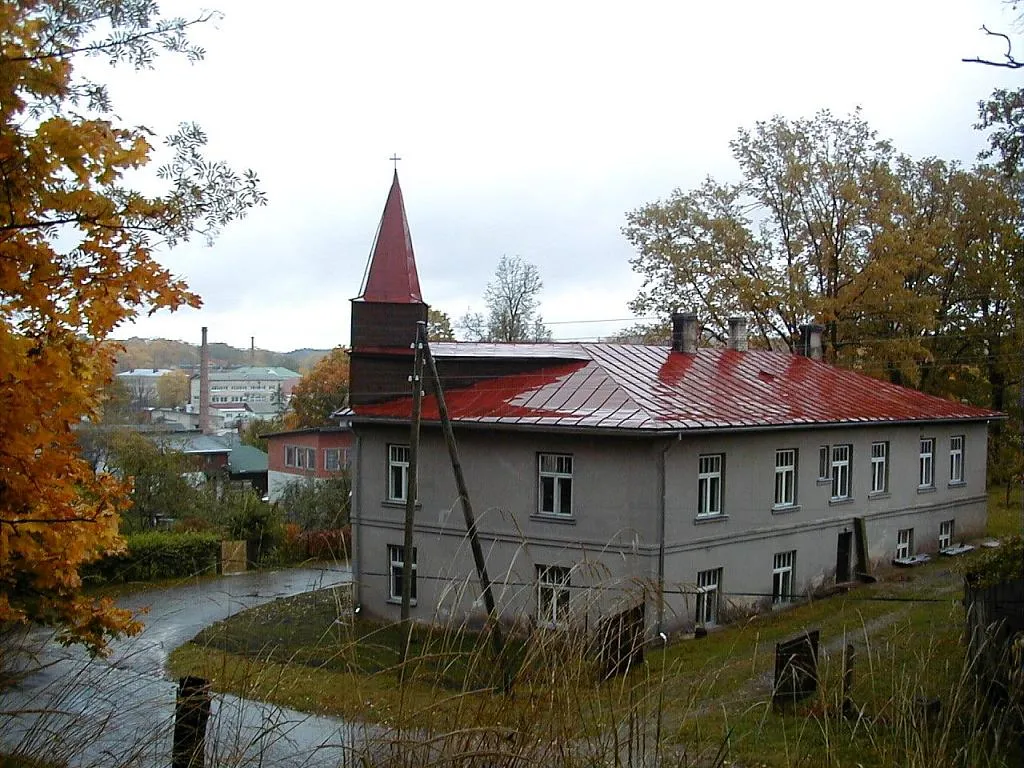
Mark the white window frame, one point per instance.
(396, 562)
(710, 468)
(926, 463)
(553, 588)
(709, 585)
(398, 472)
(785, 478)
(880, 467)
(842, 469)
(555, 471)
(311, 458)
(289, 456)
(947, 530)
(824, 463)
(956, 460)
(782, 577)
(329, 464)
(904, 543)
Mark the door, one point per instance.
(843, 550)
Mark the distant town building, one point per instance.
(264, 389)
(318, 453)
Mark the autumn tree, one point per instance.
(173, 389)
(829, 224)
(253, 431)
(439, 326)
(77, 258)
(512, 305)
(321, 392)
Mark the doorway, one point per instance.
(843, 550)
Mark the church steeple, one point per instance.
(386, 312)
(391, 273)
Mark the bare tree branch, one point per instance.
(1010, 63)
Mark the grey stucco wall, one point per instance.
(612, 538)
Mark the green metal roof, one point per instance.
(246, 458)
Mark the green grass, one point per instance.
(1004, 518)
(24, 761)
(698, 700)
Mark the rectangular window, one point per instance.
(841, 471)
(926, 475)
(785, 478)
(946, 528)
(396, 558)
(552, 595)
(708, 584)
(824, 464)
(782, 577)
(879, 467)
(709, 485)
(332, 459)
(311, 458)
(289, 456)
(904, 543)
(398, 472)
(956, 459)
(555, 486)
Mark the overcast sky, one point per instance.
(525, 128)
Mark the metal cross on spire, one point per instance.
(395, 158)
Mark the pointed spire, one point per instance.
(391, 275)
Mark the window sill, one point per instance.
(823, 481)
(392, 504)
(960, 484)
(785, 510)
(879, 495)
(926, 489)
(840, 502)
(398, 601)
(701, 519)
(544, 517)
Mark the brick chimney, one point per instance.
(738, 333)
(810, 341)
(684, 332)
(204, 386)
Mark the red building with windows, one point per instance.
(317, 452)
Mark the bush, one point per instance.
(329, 544)
(157, 555)
(259, 523)
(317, 504)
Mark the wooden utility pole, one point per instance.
(467, 511)
(410, 477)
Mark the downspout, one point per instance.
(357, 529)
(663, 503)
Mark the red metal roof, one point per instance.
(650, 388)
(391, 276)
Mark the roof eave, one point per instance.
(654, 432)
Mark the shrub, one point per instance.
(317, 504)
(157, 555)
(328, 543)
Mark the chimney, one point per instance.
(810, 341)
(684, 332)
(738, 333)
(204, 386)
(252, 350)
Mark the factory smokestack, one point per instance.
(204, 386)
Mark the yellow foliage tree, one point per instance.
(172, 389)
(320, 392)
(76, 260)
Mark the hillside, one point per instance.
(167, 353)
